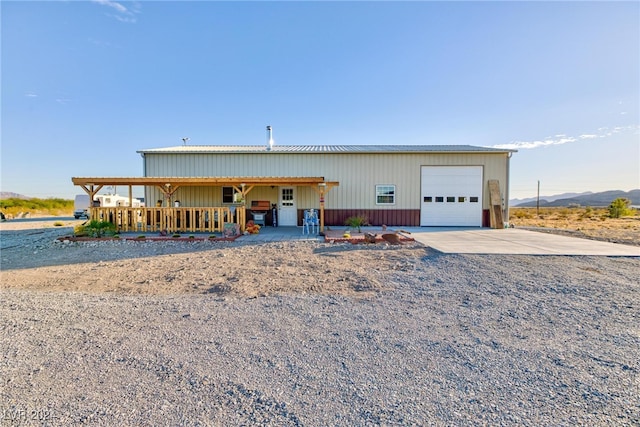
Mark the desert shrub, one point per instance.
(356, 221)
(51, 206)
(521, 213)
(588, 212)
(95, 228)
(58, 224)
(620, 207)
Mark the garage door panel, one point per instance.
(451, 196)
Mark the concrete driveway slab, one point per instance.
(513, 241)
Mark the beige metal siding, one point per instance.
(357, 173)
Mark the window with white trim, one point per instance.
(227, 194)
(385, 194)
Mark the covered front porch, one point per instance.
(171, 220)
(172, 216)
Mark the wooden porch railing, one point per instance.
(187, 219)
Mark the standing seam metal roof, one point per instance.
(204, 149)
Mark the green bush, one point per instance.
(356, 221)
(95, 228)
(620, 207)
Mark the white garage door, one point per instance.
(451, 195)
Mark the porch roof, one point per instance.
(203, 181)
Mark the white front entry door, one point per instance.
(287, 212)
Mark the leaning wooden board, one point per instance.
(495, 207)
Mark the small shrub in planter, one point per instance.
(192, 236)
(356, 222)
(176, 235)
(142, 236)
(97, 228)
(80, 231)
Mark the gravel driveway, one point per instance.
(342, 335)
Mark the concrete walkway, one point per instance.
(461, 240)
(513, 241)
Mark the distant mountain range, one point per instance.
(603, 198)
(10, 195)
(565, 199)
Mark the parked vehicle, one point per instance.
(81, 206)
(113, 200)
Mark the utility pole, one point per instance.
(538, 200)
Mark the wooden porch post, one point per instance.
(322, 187)
(168, 191)
(91, 190)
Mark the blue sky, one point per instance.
(87, 83)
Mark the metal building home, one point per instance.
(407, 185)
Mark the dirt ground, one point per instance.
(307, 333)
(589, 223)
(32, 259)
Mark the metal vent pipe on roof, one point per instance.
(269, 138)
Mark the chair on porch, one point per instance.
(310, 222)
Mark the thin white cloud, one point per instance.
(117, 6)
(123, 14)
(561, 139)
(535, 144)
(31, 95)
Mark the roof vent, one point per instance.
(269, 139)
